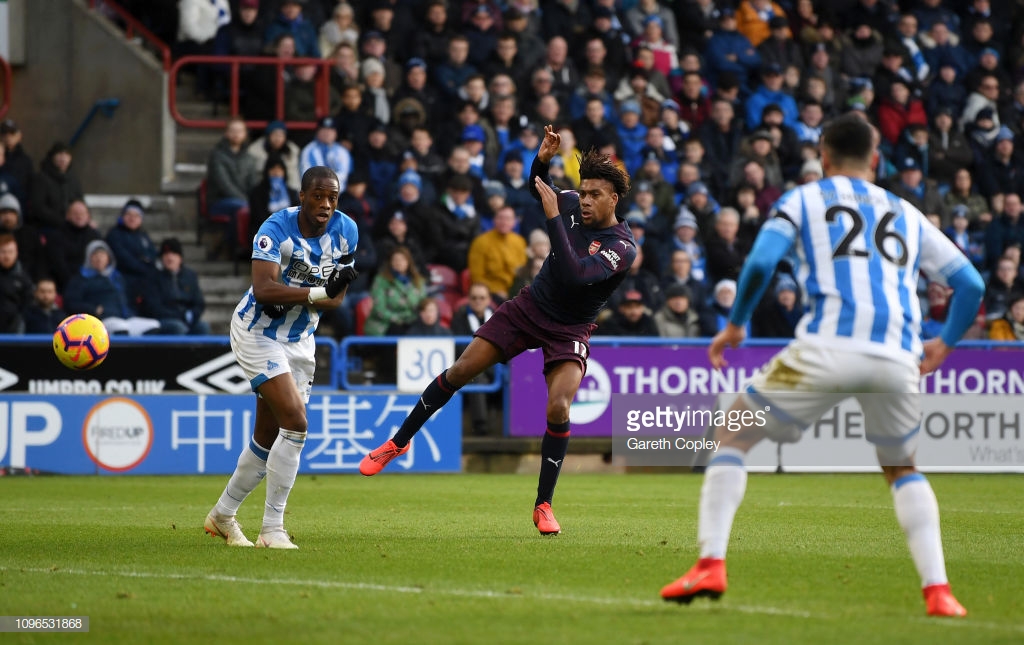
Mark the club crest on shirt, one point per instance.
(595, 246)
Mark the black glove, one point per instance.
(341, 278)
(275, 311)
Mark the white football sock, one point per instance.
(282, 466)
(251, 468)
(917, 511)
(725, 481)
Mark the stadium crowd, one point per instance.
(438, 106)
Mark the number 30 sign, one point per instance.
(420, 360)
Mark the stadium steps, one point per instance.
(170, 215)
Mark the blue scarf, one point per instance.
(279, 197)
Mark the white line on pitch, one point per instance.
(367, 586)
(501, 595)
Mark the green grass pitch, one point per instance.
(456, 559)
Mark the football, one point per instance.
(81, 342)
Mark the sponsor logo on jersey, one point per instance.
(612, 257)
(595, 246)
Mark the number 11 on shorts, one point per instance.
(579, 349)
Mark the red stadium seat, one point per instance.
(451, 298)
(363, 308)
(443, 278)
(203, 217)
(444, 312)
(465, 281)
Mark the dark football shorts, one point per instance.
(519, 324)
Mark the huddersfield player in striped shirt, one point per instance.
(858, 251)
(302, 263)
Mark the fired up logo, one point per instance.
(117, 434)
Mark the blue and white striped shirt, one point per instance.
(305, 262)
(335, 156)
(858, 250)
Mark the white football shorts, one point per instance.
(263, 358)
(804, 381)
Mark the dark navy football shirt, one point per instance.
(585, 265)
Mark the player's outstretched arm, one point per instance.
(548, 148)
(730, 336)
(574, 269)
(548, 198)
(968, 291)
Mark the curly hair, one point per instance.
(594, 165)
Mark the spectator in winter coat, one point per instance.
(173, 295)
(1001, 287)
(630, 318)
(946, 91)
(454, 71)
(942, 51)
(1001, 173)
(948, 149)
(918, 190)
(31, 252)
(133, 249)
(730, 51)
(397, 290)
(898, 110)
(861, 57)
(275, 141)
(244, 35)
(15, 287)
(428, 320)
(341, 28)
(779, 312)
(291, 21)
(17, 162)
(635, 20)
(716, 314)
(54, 188)
(677, 318)
(962, 192)
(99, 290)
(1011, 325)
(43, 316)
(754, 19)
(780, 48)
(231, 174)
(1005, 230)
(495, 256)
(70, 241)
(272, 193)
(771, 91)
(324, 150)
(725, 251)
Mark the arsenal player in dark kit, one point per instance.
(591, 251)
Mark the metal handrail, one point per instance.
(105, 106)
(133, 26)
(234, 63)
(8, 84)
